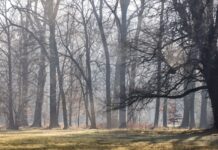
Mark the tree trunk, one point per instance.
(86, 102)
(122, 111)
(107, 60)
(165, 113)
(71, 96)
(116, 91)
(22, 113)
(133, 65)
(40, 91)
(53, 100)
(159, 49)
(11, 124)
(191, 111)
(41, 78)
(89, 74)
(60, 79)
(185, 119)
(212, 83)
(189, 115)
(51, 14)
(124, 4)
(203, 119)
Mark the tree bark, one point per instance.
(89, 73)
(41, 79)
(185, 119)
(60, 79)
(40, 91)
(11, 124)
(124, 4)
(203, 117)
(52, 10)
(22, 110)
(116, 91)
(212, 83)
(203, 32)
(133, 65)
(188, 115)
(165, 104)
(159, 64)
(53, 103)
(107, 59)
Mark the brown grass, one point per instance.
(71, 139)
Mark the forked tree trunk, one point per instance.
(107, 59)
(52, 9)
(89, 73)
(41, 79)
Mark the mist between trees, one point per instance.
(108, 63)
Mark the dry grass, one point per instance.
(108, 139)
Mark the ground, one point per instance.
(35, 139)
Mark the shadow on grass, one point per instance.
(103, 140)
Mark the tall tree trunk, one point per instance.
(40, 91)
(211, 76)
(78, 116)
(89, 73)
(90, 90)
(53, 100)
(165, 104)
(11, 124)
(23, 120)
(212, 84)
(52, 10)
(85, 95)
(203, 117)
(41, 78)
(159, 48)
(107, 59)
(86, 102)
(71, 95)
(124, 4)
(185, 119)
(133, 65)
(22, 116)
(116, 91)
(192, 111)
(70, 108)
(189, 115)
(60, 79)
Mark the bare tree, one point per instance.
(99, 18)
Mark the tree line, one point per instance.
(94, 59)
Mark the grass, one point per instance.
(162, 139)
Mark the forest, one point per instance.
(108, 73)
